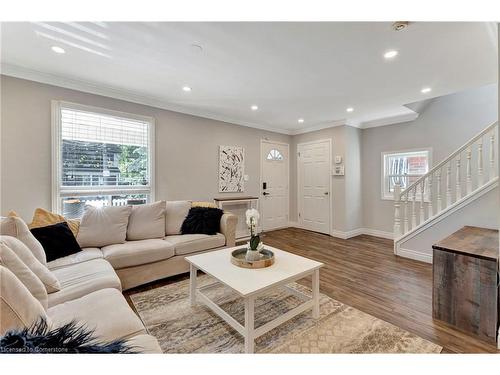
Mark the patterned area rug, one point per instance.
(181, 328)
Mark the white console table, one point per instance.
(242, 232)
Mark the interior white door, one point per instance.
(274, 185)
(313, 172)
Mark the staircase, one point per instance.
(458, 180)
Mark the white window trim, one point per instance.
(58, 191)
(383, 196)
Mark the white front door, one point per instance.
(313, 172)
(274, 185)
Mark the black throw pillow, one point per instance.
(57, 240)
(202, 220)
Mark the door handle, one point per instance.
(264, 193)
(326, 193)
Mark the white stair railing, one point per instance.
(433, 193)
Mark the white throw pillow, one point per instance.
(10, 260)
(42, 272)
(16, 227)
(175, 214)
(147, 221)
(103, 226)
(18, 307)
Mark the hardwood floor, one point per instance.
(364, 273)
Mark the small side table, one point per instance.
(242, 232)
(465, 281)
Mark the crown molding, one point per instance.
(313, 128)
(126, 95)
(21, 72)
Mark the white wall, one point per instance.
(446, 124)
(186, 147)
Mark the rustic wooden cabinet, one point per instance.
(465, 281)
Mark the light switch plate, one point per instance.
(245, 177)
(338, 159)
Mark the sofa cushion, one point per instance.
(43, 218)
(103, 226)
(16, 227)
(146, 221)
(135, 253)
(202, 220)
(191, 243)
(176, 212)
(57, 240)
(86, 254)
(106, 311)
(81, 279)
(144, 344)
(10, 260)
(42, 272)
(18, 308)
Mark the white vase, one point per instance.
(252, 255)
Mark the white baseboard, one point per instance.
(347, 235)
(415, 255)
(378, 233)
(352, 233)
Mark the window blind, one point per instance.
(103, 150)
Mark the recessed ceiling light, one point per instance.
(186, 89)
(57, 49)
(300, 120)
(391, 54)
(350, 109)
(254, 107)
(425, 90)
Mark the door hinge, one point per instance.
(299, 214)
(298, 154)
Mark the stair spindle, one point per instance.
(492, 155)
(397, 210)
(439, 201)
(429, 206)
(422, 194)
(413, 208)
(480, 176)
(448, 184)
(406, 214)
(469, 172)
(458, 185)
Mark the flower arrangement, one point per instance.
(252, 220)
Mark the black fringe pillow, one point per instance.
(69, 338)
(202, 220)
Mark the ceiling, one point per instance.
(289, 70)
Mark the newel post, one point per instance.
(397, 210)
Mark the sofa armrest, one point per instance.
(228, 223)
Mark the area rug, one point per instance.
(180, 328)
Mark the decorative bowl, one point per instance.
(238, 259)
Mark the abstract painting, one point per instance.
(231, 169)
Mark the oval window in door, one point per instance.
(274, 155)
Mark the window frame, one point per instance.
(59, 192)
(390, 196)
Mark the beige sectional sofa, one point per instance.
(90, 282)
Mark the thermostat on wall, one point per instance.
(338, 170)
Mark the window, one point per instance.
(403, 168)
(101, 158)
(274, 155)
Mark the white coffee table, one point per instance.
(252, 283)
